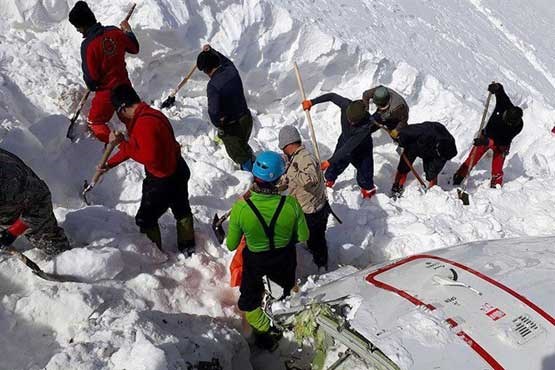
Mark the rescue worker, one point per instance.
(305, 181)
(428, 140)
(103, 61)
(504, 124)
(227, 106)
(391, 108)
(151, 142)
(26, 208)
(354, 145)
(272, 224)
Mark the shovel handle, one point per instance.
(184, 81)
(130, 12)
(80, 106)
(307, 113)
(109, 148)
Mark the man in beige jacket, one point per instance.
(305, 182)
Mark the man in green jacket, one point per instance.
(272, 224)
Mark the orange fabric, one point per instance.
(324, 165)
(307, 104)
(236, 267)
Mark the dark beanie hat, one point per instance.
(446, 148)
(124, 96)
(208, 60)
(81, 15)
(356, 111)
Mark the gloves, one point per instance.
(494, 87)
(324, 165)
(307, 104)
(6, 239)
(481, 140)
(394, 134)
(378, 118)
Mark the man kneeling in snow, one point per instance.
(272, 224)
(152, 143)
(25, 204)
(430, 141)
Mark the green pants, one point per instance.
(236, 139)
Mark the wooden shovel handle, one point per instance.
(130, 12)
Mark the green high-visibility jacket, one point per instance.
(290, 226)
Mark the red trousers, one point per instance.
(101, 112)
(499, 154)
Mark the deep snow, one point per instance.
(140, 309)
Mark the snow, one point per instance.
(139, 308)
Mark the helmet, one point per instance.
(381, 96)
(268, 166)
(356, 111)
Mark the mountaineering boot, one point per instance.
(268, 340)
(396, 191)
(186, 235)
(368, 194)
(153, 233)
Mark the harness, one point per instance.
(268, 230)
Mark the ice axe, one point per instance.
(98, 174)
(170, 100)
(70, 134)
(463, 195)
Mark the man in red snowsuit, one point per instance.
(504, 124)
(151, 142)
(103, 60)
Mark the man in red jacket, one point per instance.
(151, 142)
(103, 60)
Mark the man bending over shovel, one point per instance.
(152, 143)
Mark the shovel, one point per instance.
(170, 100)
(463, 195)
(71, 135)
(217, 226)
(98, 174)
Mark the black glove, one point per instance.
(6, 239)
(494, 87)
(481, 140)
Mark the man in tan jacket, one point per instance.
(305, 182)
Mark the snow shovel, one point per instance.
(217, 226)
(406, 160)
(463, 195)
(171, 99)
(89, 186)
(71, 135)
(36, 269)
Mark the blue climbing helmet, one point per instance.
(268, 166)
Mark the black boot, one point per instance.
(457, 179)
(268, 340)
(396, 191)
(186, 236)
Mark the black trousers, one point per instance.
(279, 265)
(159, 194)
(317, 224)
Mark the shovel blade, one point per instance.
(463, 195)
(168, 102)
(218, 229)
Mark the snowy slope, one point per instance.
(141, 309)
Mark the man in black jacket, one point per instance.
(504, 124)
(354, 145)
(428, 140)
(227, 106)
